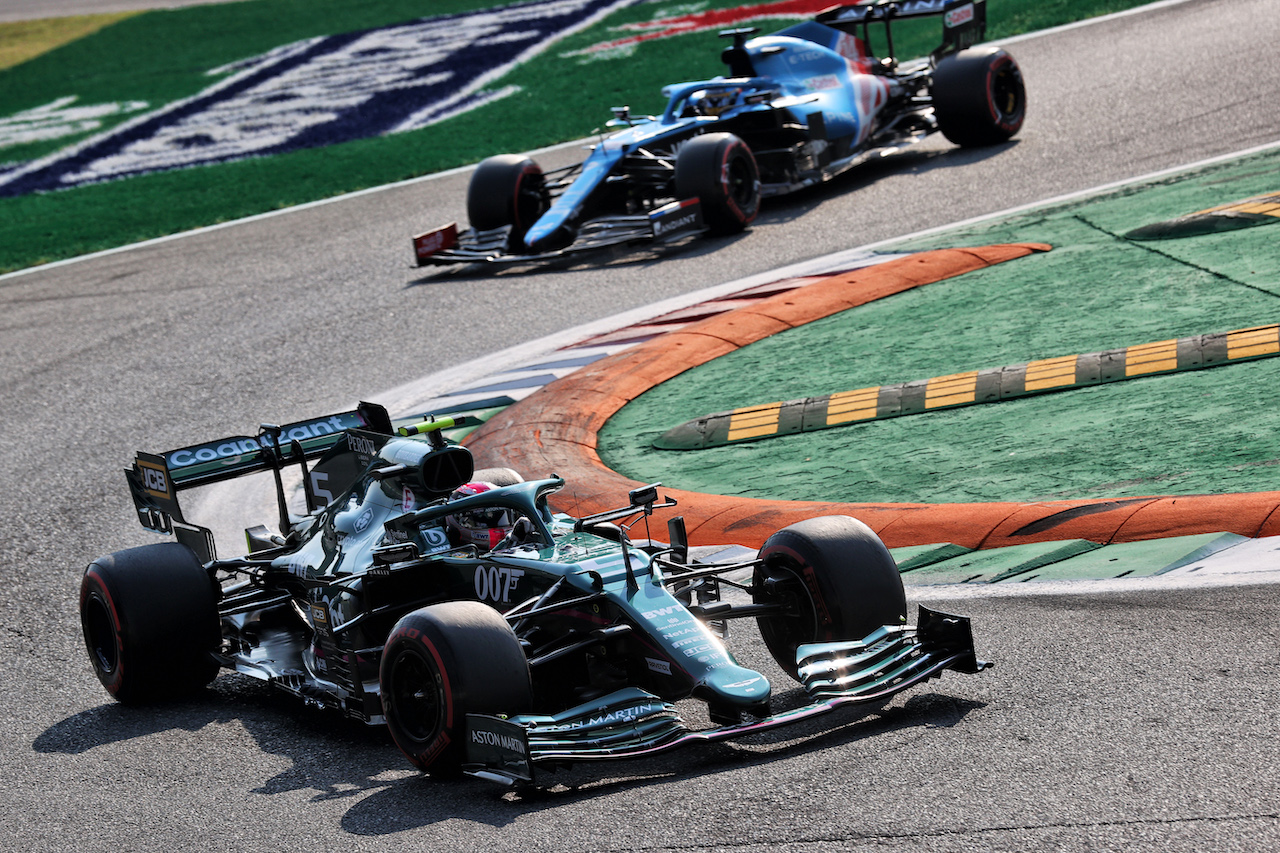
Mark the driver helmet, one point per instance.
(483, 527)
(713, 102)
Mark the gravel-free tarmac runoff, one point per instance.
(1129, 716)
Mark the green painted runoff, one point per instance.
(1200, 432)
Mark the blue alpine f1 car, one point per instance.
(490, 635)
(797, 108)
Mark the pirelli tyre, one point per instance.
(978, 96)
(442, 662)
(834, 579)
(720, 170)
(507, 190)
(150, 621)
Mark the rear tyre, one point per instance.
(150, 621)
(978, 96)
(441, 663)
(507, 190)
(836, 581)
(720, 170)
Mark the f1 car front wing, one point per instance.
(667, 223)
(632, 723)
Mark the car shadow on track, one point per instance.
(330, 755)
(421, 801)
(337, 759)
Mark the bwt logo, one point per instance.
(324, 91)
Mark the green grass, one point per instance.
(163, 56)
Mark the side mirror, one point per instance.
(679, 540)
(644, 495)
(520, 533)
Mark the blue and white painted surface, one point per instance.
(312, 93)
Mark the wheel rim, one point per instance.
(530, 200)
(742, 184)
(797, 625)
(1006, 92)
(100, 635)
(416, 697)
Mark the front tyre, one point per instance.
(720, 170)
(150, 621)
(507, 190)
(442, 662)
(978, 96)
(835, 580)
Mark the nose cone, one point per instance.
(732, 690)
(541, 239)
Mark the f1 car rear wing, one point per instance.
(156, 479)
(964, 22)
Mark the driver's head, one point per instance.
(712, 102)
(483, 527)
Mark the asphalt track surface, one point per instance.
(1134, 719)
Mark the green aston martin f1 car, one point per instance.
(492, 636)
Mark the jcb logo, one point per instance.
(495, 583)
(154, 480)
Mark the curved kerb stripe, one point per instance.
(555, 430)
